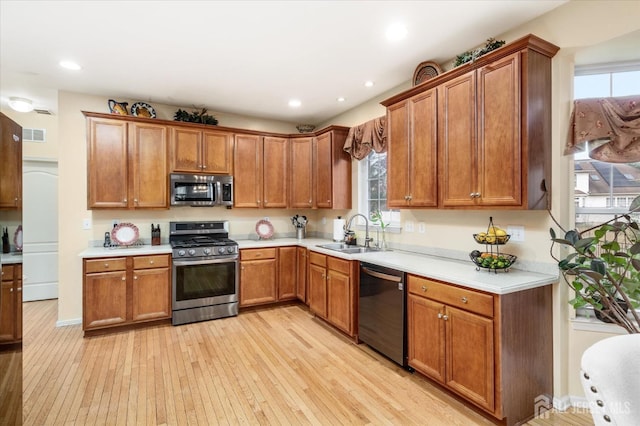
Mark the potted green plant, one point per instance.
(603, 267)
(376, 218)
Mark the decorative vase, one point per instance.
(383, 244)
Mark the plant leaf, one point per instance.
(553, 233)
(573, 236)
(635, 204)
(584, 242)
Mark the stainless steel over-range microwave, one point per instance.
(201, 190)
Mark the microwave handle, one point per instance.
(218, 192)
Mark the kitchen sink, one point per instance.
(345, 248)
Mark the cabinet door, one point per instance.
(247, 171)
(457, 166)
(470, 356)
(339, 300)
(323, 176)
(499, 155)
(275, 167)
(301, 175)
(186, 150)
(426, 337)
(398, 155)
(257, 282)
(18, 293)
(11, 170)
(151, 294)
(301, 282)
(148, 154)
(287, 272)
(317, 296)
(217, 150)
(423, 164)
(7, 311)
(104, 299)
(107, 171)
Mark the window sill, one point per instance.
(595, 325)
(391, 229)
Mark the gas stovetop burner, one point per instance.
(201, 239)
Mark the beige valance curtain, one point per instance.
(363, 138)
(610, 125)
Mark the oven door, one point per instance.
(204, 282)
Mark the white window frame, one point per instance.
(394, 216)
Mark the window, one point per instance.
(373, 188)
(610, 187)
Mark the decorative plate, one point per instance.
(264, 229)
(143, 109)
(125, 234)
(425, 71)
(17, 238)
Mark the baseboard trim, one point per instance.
(570, 401)
(64, 323)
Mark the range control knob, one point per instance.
(230, 249)
(207, 251)
(181, 252)
(192, 252)
(221, 250)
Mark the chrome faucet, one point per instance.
(367, 240)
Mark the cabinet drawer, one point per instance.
(317, 259)
(146, 262)
(462, 298)
(7, 273)
(339, 265)
(105, 265)
(257, 254)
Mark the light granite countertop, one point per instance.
(11, 258)
(440, 268)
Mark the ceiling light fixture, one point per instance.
(341, 99)
(21, 104)
(294, 103)
(70, 65)
(368, 83)
(396, 32)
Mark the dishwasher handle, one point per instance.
(381, 275)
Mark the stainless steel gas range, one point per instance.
(205, 271)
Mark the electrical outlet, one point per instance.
(86, 223)
(408, 226)
(324, 220)
(422, 228)
(516, 232)
(114, 222)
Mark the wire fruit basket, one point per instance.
(491, 258)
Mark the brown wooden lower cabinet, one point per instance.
(495, 351)
(301, 281)
(11, 304)
(267, 275)
(121, 291)
(332, 290)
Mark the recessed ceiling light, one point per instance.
(368, 83)
(70, 65)
(341, 99)
(396, 32)
(295, 103)
(21, 104)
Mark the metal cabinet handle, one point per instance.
(445, 317)
(464, 300)
(135, 277)
(309, 201)
(424, 288)
(439, 315)
(19, 288)
(204, 166)
(124, 278)
(106, 265)
(11, 290)
(151, 262)
(124, 201)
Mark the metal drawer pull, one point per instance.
(439, 315)
(151, 262)
(135, 277)
(445, 317)
(424, 288)
(464, 300)
(106, 265)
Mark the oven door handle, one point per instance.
(204, 262)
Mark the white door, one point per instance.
(40, 230)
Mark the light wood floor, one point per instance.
(270, 366)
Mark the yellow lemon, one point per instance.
(500, 233)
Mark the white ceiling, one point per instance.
(243, 57)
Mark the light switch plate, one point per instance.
(86, 223)
(408, 226)
(422, 228)
(516, 232)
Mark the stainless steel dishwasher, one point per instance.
(381, 311)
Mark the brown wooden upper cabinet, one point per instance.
(201, 151)
(261, 171)
(11, 170)
(491, 131)
(301, 176)
(331, 170)
(412, 156)
(127, 164)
